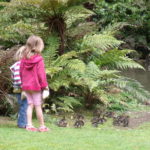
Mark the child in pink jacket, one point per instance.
(33, 78)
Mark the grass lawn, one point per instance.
(104, 137)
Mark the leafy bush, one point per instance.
(136, 13)
(81, 68)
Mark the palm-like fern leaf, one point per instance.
(112, 29)
(76, 13)
(67, 103)
(117, 59)
(100, 42)
(133, 87)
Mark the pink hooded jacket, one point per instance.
(33, 74)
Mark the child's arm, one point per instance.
(42, 75)
(12, 71)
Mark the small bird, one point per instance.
(95, 121)
(79, 121)
(98, 120)
(62, 122)
(79, 124)
(109, 114)
(97, 112)
(121, 120)
(79, 116)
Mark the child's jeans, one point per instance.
(22, 112)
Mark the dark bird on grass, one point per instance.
(121, 120)
(98, 120)
(79, 124)
(79, 121)
(95, 121)
(62, 122)
(97, 112)
(109, 114)
(79, 116)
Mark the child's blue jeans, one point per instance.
(22, 113)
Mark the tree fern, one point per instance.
(133, 87)
(51, 51)
(100, 42)
(67, 103)
(116, 59)
(113, 29)
(76, 14)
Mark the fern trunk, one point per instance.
(89, 100)
(57, 24)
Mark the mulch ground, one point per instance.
(138, 118)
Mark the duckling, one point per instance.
(79, 116)
(62, 122)
(109, 114)
(95, 121)
(122, 120)
(79, 122)
(102, 120)
(98, 120)
(97, 112)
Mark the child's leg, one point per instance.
(37, 102)
(39, 114)
(22, 116)
(30, 108)
(29, 114)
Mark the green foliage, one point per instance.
(117, 59)
(100, 42)
(113, 29)
(134, 88)
(77, 14)
(134, 14)
(121, 11)
(67, 104)
(84, 70)
(19, 19)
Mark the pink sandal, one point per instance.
(43, 129)
(31, 129)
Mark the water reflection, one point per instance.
(142, 76)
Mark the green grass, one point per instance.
(104, 137)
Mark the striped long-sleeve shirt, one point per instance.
(15, 69)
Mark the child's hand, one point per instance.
(23, 95)
(45, 94)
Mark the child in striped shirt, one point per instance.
(22, 101)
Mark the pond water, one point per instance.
(142, 76)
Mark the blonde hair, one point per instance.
(34, 45)
(19, 54)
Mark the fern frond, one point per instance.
(14, 31)
(100, 42)
(76, 14)
(94, 72)
(77, 2)
(76, 64)
(102, 96)
(59, 80)
(51, 51)
(63, 59)
(18, 3)
(128, 63)
(133, 87)
(66, 103)
(81, 30)
(112, 29)
(4, 3)
(117, 59)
